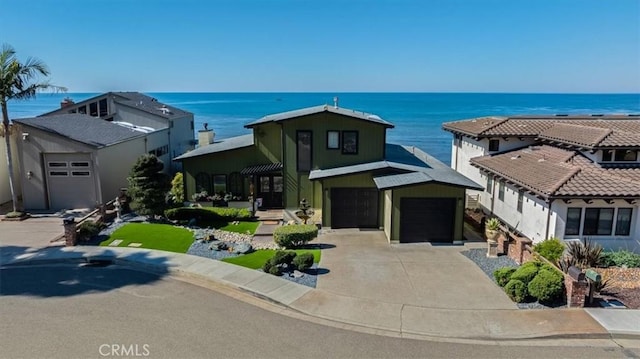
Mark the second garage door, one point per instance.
(427, 219)
(354, 207)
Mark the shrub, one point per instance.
(294, 235)
(585, 255)
(503, 275)
(526, 272)
(207, 214)
(492, 224)
(275, 270)
(177, 188)
(282, 257)
(622, 258)
(516, 290)
(551, 249)
(303, 261)
(88, 229)
(266, 267)
(547, 285)
(13, 214)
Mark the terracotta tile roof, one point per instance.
(572, 134)
(555, 172)
(582, 131)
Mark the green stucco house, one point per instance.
(338, 160)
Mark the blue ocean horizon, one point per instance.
(417, 117)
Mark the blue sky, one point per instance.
(331, 45)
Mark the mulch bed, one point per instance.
(624, 285)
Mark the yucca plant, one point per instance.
(585, 255)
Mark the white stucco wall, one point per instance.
(34, 190)
(5, 190)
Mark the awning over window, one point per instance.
(258, 169)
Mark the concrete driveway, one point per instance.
(31, 233)
(364, 265)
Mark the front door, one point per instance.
(270, 188)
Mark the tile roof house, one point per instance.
(338, 160)
(571, 177)
(80, 155)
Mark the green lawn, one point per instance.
(257, 259)
(153, 236)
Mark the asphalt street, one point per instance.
(97, 312)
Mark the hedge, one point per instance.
(526, 272)
(294, 235)
(207, 213)
(547, 285)
(622, 258)
(503, 275)
(552, 249)
(516, 290)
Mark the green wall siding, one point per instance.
(362, 180)
(371, 143)
(217, 163)
(427, 191)
(268, 142)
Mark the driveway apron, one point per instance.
(364, 265)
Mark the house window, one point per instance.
(350, 142)
(494, 145)
(489, 184)
(192, 125)
(607, 155)
(236, 184)
(501, 190)
(102, 105)
(625, 155)
(265, 184)
(623, 221)
(202, 182)
(333, 140)
(303, 150)
(82, 110)
(573, 221)
(598, 221)
(220, 184)
(93, 109)
(520, 199)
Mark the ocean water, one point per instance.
(417, 117)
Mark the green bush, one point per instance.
(503, 275)
(88, 229)
(551, 249)
(516, 290)
(282, 257)
(547, 285)
(207, 213)
(13, 214)
(294, 235)
(275, 270)
(303, 261)
(266, 267)
(526, 272)
(622, 258)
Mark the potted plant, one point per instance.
(492, 227)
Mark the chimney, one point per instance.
(205, 136)
(66, 102)
(335, 101)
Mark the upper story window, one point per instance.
(333, 140)
(494, 145)
(501, 191)
(303, 150)
(489, 184)
(102, 105)
(619, 155)
(93, 109)
(520, 200)
(350, 142)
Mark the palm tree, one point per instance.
(19, 81)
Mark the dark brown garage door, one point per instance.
(354, 207)
(427, 219)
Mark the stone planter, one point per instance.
(492, 235)
(492, 242)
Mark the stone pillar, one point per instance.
(576, 292)
(520, 247)
(70, 235)
(503, 244)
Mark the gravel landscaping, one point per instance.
(489, 265)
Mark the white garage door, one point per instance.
(70, 180)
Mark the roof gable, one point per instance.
(291, 115)
(85, 129)
(222, 145)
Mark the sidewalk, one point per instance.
(393, 318)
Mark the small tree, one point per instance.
(177, 188)
(148, 186)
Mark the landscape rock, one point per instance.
(242, 248)
(297, 274)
